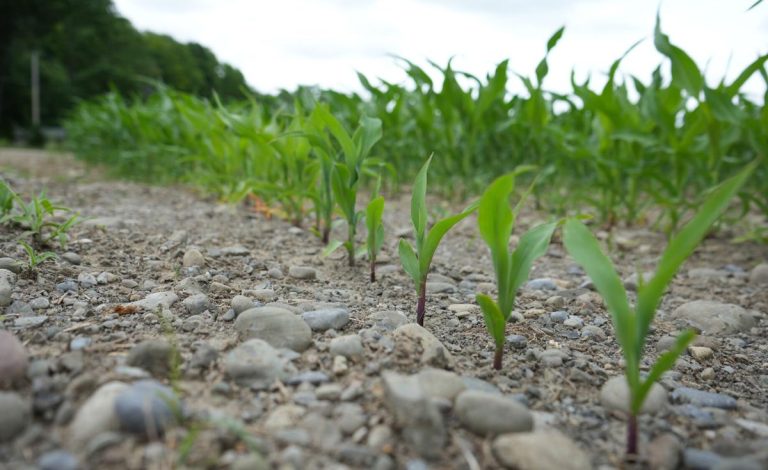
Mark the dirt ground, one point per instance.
(140, 235)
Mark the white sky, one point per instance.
(283, 43)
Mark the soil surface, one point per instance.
(145, 294)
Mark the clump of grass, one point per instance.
(632, 325)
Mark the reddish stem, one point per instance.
(373, 270)
(632, 435)
(421, 306)
(497, 357)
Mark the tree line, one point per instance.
(86, 48)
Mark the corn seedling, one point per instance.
(495, 220)
(34, 257)
(346, 168)
(632, 325)
(417, 262)
(7, 199)
(373, 214)
(36, 216)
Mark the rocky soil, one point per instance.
(176, 332)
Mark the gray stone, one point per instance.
(473, 383)
(68, 285)
(697, 459)
(759, 275)
(16, 415)
(196, 304)
(541, 284)
(156, 356)
(250, 462)
(349, 417)
(388, 319)
(573, 321)
(106, 278)
(12, 265)
(13, 360)
(277, 326)
(702, 398)
(715, 318)
(97, 415)
(39, 303)
(539, 450)
(313, 377)
(58, 460)
(302, 272)
(418, 417)
(349, 346)
(489, 414)
(559, 317)
(436, 287)
(7, 282)
(87, 280)
(665, 452)
(439, 383)
(255, 363)
(80, 342)
(29, 322)
(147, 408)
(154, 301)
(241, 303)
(412, 337)
(72, 258)
(235, 250)
(326, 319)
(193, 259)
(517, 341)
(263, 295)
(614, 395)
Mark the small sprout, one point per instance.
(35, 258)
(373, 215)
(632, 325)
(496, 220)
(417, 262)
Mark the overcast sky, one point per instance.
(283, 43)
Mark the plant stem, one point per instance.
(373, 269)
(326, 234)
(632, 435)
(497, 357)
(421, 306)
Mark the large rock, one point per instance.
(439, 383)
(13, 360)
(418, 417)
(615, 395)
(15, 412)
(327, 318)
(156, 356)
(759, 274)
(414, 339)
(7, 281)
(540, 450)
(147, 409)
(277, 326)
(487, 413)
(255, 363)
(95, 416)
(714, 317)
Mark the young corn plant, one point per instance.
(417, 262)
(347, 169)
(36, 216)
(373, 214)
(7, 199)
(35, 258)
(632, 325)
(495, 220)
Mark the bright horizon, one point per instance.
(325, 42)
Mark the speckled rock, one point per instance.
(539, 450)
(277, 326)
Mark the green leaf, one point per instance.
(332, 246)
(495, 218)
(584, 248)
(418, 201)
(533, 244)
(366, 136)
(409, 261)
(682, 245)
(494, 319)
(685, 72)
(665, 362)
(436, 234)
(555, 38)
